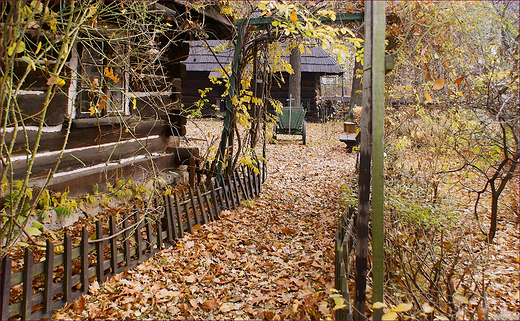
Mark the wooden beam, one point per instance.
(378, 115)
(365, 158)
(88, 156)
(83, 135)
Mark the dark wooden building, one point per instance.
(202, 64)
(124, 114)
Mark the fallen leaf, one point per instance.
(403, 307)
(166, 294)
(226, 307)
(210, 305)
(461, 299)
(230, 255)
(288, 231)
(439, 84)
(427, 308)
(389, 316)
(191, 279)
(323, 307)
(428, 97)
(93, 288)
(173, 309)
(258, 299)
(378, 305)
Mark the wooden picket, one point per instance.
(345, 246)
(105, 254)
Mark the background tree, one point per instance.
(461, 62)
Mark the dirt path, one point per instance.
(272, 258)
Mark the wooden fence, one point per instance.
(117, 247)
(344, 250)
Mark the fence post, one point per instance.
(126, 243)
(180, 224)
(193, 205)
(237, 184)
(171, 233)
(6, 286)
(49, 266)
(113, 245)
(27, 284)
(215, 203)
(187, 211)
(202, 208)
(67, 268)
(138, 236)
(100, 254)
(84, 260)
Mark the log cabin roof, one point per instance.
(202, 59)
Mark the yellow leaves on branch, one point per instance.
(16, 46)
(110, 74)
(55, 80)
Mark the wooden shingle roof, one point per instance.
(202, 59)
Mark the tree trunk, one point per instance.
(295, 80)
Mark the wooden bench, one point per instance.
(350, 137)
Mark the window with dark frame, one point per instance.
(101, 87)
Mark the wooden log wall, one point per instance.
(139, 235)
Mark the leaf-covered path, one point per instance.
(272, 258)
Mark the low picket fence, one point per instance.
(119, 246)
(345, 245)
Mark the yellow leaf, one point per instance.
(19, 46)
(378, 305)
(439, 84)
(389, 316)
(135, 103)
(38, 48)
(60, 82)
(92, 110)
(293, 17)
(33, 231)
(197, 227)
(461, 299)
(428, 97)
(23, 244)
(403, 307)
(338, 307)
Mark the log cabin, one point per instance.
(117, 114)
(202, 64)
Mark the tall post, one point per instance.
(365, 158)
(371, 155)
(378, 114)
